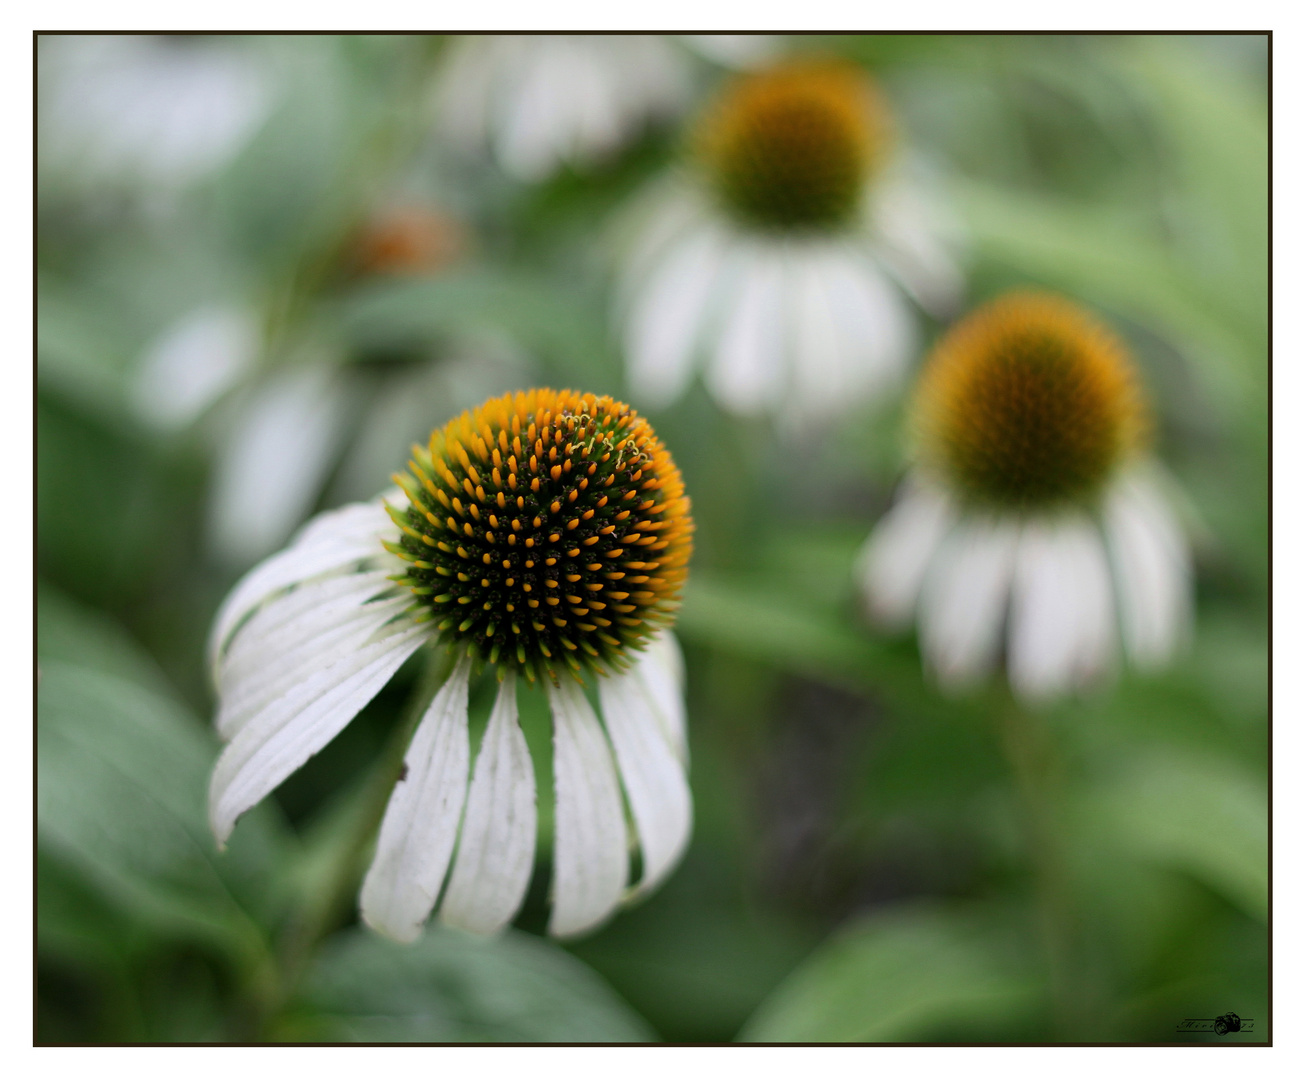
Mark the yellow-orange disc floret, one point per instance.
(546, 531)
(794, 147)
(1029, 401)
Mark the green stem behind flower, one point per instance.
(1033, 757)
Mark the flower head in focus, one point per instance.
(772, 258)
(545, 534)
(539, 101)
(1032, 511)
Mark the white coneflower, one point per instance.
(539, 101)
(1031, 513)
(545, 534)
(771, 259)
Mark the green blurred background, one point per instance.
(860, 868)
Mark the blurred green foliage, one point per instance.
(861, 865)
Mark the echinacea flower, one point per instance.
(539, 101)
(777, 258)
(545, 535)
(1032, 517)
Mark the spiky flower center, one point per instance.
(1029, 401)
(794, 147)
(547, 531)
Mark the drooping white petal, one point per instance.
(1061, 633)
(668, 317)
(644, 236)
(964, 597)
(590, 831)
(852, 331)
(873, 318)
(820, 348)
(664, 671)
(894, 559)
(330, 541)
(746, 373)
(652, 775)
(498, 842)
(295, 636)
(272, 461)
(422, 818)
(284, 735)
(1151, 562)
(536, 122)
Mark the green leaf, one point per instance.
(910, 975)
(1093, 254)
(537, 314)
(122, 773)
(83, 352)
(451, 987)
(1215, 129)
(1203, 815)
(757, 620)
(74, 635)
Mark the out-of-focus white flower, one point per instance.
(543, 100)
(735, 50)
(778, 260)
(548, 564)
(162, 112)
(193, 363)
(1031, 519)
(273, 459)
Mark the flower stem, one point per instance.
(1034, 760)
(327, 905)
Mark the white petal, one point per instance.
(272, 462)
(664, 671)
(590, 832)
(282, 737)
(666, 322)
(874, 318)
(422, 818)
(1061, 633)
(894, 560)
(644, 235)
(820, 347)
(964, 598)
(852, 332)
(747, 373)
(296, 636)
(535, 122)
(652, 775)
(330, 541)
(493, 867)
(1152, 566)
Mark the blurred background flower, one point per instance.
(1031, 510)
(773, 257)
(266, 266)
